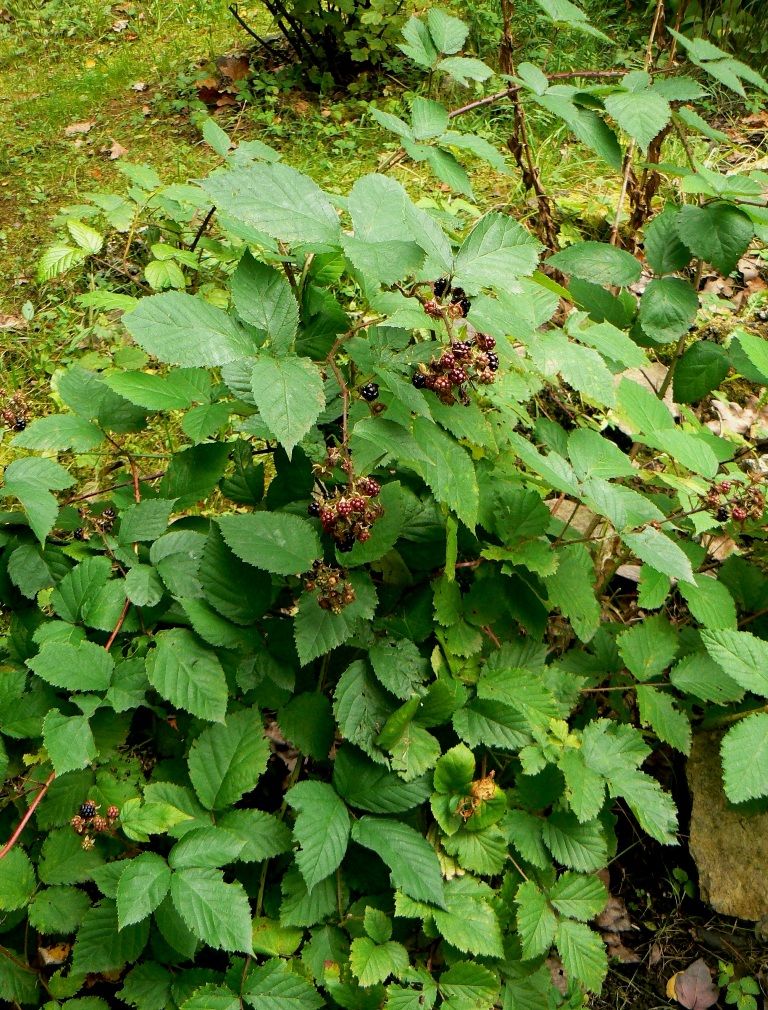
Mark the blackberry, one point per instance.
(485, 342)
(369, 486)
(481, 361)
(441, 285)
(344, 507)
(447, 360)
(346, 544)
(357, 504)
(722, 514)
(79, 534)
(78, 824)
(419, 380)
(109, 513)
(459, 299)
(370, 392)
(99, 823)
(19, 424)
(724, 486)
(461, 348)
(493, 361)
(313, 509)
(88, 810)
(442, 385)
(457, 376)
(364, 535)
(739, 514)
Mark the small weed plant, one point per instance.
(345, 607)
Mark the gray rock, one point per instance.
(730, 847)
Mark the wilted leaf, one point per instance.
(77, 128)
(693, 988)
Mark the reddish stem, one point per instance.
(25, 819)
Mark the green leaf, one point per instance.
(710, 602)
(519, 689)
(183, 329)
(487, 723)
(484, 852)
(718, 233)
(377, 925)
(455, 770)
(82, 667)
(307, 721)
(269, 937)
(58, 910)
(57, 259)
(317, 631)
(598, 262)
(263, 298)
(468, 986)
(641, 114)
(668, 308)
(447, 469)
(411, 859)
(188, 675)
(743, 656)
(212, 997)
(206, 846)
(226, 761)
(264, 835)
(178, 389)
(63, 859)
(497, 250)
(415, 752)
(146, 520)
(584, 787)
(578, 846)
(370, 787)
(744, 750)
(217, 913)
(578, 897)
(193, 473)
(69, 741)
(447, 32)
(536, 922)
(658, 711)
(59, 432)
(289, 393)
(142, 886)
(276, 542)
(277, 200)
(701, 369)
(17, 880)
(101, 946)
(143, 586)
(321, 829)
(306, 908)
(582, 953)
(31, 480)
(421, 49)
(698, 674)
(465, 68)
(654, 809)
(398, 665)
(570, 589)
(371, 962)
(273, 986)
(660, 552)
(428, 118)
(222, 575)
(664, 251)
(648, 647)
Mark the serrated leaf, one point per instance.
(31, 480)
(59, 432)
(641, 114)
(701, 369)
(664, 251)
(371, 787)
(101, 946)
(468, 986)
(217, 913)
(307, 721)
(276, 542)
(182, 329)
(68, 741)
(206, 846)
(598, 263)
(578, 896)
(718, 233)
(147, 987)
(468, 922)
(212, 997)
(648, 647)
(188, 675)
(447, 469)
(668, 308)
(227, 760)
(264, 835)
(263, 298)
(497, 249)
(57, 259)
(660, 552)
(82, 667)
(58, 910)
(743, 656)
(372, 963)
(17, 880)
(579, 846)
(398, 665)
(744, 750)
(142, 886)
(584, 787)
(273, 986)
(658, 711)
(483, 852)
(321, 829)
(582, 953)
(317, 631)
(536, 922)
(411, 859)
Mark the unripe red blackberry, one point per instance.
(88, 810)
(327, 515)
(447, 360)
(99, 823)
(432, 308)
(344, 507)
(357, 504)
(442, 384)
(370, 392)
(363, 535)
(486, 377)
(313, 509)
(481, 361)
(369, 486)
(724, 486)
(461, 348)
(419, 380)
(738, 513)
(457, 376)
(485, 341)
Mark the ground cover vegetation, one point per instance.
(377, 549)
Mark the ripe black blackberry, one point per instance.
(19, 424)
(370, 392)
(419, 380)
(722, 514)
(461, 348)
(88, 810)
(313, 509)
(493, 361)
(459, 298)
(441, 285)
(346, 545)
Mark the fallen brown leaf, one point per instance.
(614, 918)
(234, 66)
(9, 322)
(115, 150)
(693, 988)
(139, 86)
(56, 954)
(75, 128)
(121, 25)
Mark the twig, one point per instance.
(233, 10)
(113, 487)
(25, 819)
(201, 230)
(118, 626)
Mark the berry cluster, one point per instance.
(458, 305)
(14, 411)
(88, 822)
(333, 591)
(727, 500)
(370, 391)
(101, 522)
(349, 514)
(334, 457)
(466, 361)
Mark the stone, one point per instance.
(728, 845)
